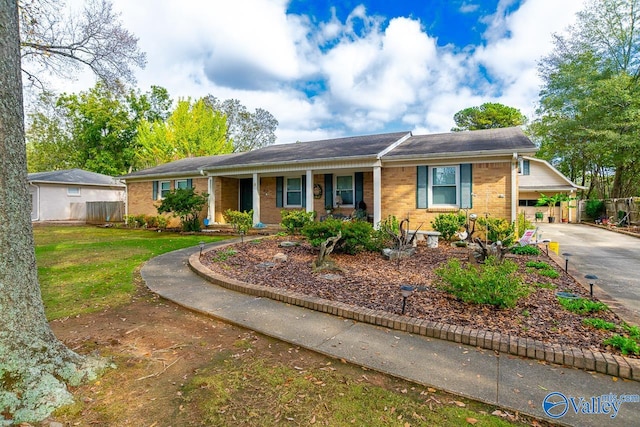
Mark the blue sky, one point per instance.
(329, 69)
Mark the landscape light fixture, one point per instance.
(201, 248)
(566, 261)
(546, 243)
(406, 292)
(591, 277)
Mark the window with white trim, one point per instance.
(293, 189)
(344, 190)
(444, 185)
(165, 188)
(182, 183)
(73, 191)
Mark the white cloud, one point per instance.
(325, 79)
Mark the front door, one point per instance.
(246, 194)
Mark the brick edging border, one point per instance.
(605, 363)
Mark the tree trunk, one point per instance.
(34, 365)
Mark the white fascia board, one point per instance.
(556, 171)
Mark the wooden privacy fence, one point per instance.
(101, 212)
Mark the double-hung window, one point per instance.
(293, 196)
(165, 188)
(444, 185)
(344, 190)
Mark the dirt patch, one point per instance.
(162, 352)
(368, 280)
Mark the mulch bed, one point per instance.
(368, 280)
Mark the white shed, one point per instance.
(64, 195)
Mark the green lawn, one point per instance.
(88, 269)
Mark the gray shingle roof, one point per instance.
(504, 139)
(188, 166)
(73, 176)
(355, 146)
(366, 146)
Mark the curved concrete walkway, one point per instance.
(511, 382)
(613, 257)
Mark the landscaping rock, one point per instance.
(390, 254)
(280, 257)
(288, 244)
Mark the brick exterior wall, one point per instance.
(227, 196)
(489, 180)
(140, 199)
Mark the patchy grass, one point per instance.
(88, 269)
(248, 390)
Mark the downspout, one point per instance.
(514, 187)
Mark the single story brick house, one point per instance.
(400, 174)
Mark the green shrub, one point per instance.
(594, 208)
(498, 230)
(549, 272)
(494, 282)
(186, 204)
(241, 221)
(157, 221)
(598, 323)
(135, 221)
(633, 331)
(523, 224)
(625, 344)
(224, 255)
(539, 265)
(525, 250)
(581, 305)
(294, 220)
(318, 232)
(448, 224)
(357, 236)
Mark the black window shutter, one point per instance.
(421, 187)
(328, 189)
(359, 184)
(279, 191)
(526, 168)
(155, 190)
(304, 191)
(189, 183)
(466, 200)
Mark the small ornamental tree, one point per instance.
(185, 204)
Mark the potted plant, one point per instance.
(539, 215)
(551, 202)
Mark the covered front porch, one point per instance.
(339, 190)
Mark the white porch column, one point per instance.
(377, 195)
(256, 199)
(514, 187)
(309, 190)
(211, 189)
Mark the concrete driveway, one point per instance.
(613, 257)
